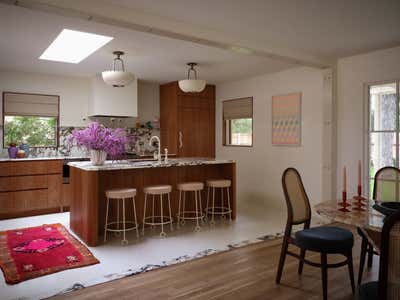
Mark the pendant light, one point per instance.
(192, 85)
(118, 78)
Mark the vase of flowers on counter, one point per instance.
(100, 142)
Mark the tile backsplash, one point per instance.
(143, 133)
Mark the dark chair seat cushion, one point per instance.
(325, 239)
(368, 291)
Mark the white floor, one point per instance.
(116, 259)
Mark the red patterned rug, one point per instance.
(36, 251)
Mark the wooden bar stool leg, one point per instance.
(144, 212)
(162, 234)
(213, 206)
(222, 204)
(105, 226)
(197, 228)
(124, 241)
(208, 199)
(229, 204)
(152, 219)
(178, 216)
(135, 215)
(324, 273)
(170, 212)
(201, 209)
(183, 208)
(117, 233)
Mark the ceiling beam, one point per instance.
(104, 13)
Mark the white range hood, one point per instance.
(109, 101)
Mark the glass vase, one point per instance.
(97, 157)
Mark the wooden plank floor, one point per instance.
(244, 273)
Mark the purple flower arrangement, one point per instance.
(97, 137)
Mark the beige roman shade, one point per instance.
(238, 109)
(18, 104)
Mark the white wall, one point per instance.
(73, 92)
(148, 101)
(353, 73)
(260, 167)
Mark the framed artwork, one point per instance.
(286, 120)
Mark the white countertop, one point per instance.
(41, 158)
(144, 164)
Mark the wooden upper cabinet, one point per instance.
(187, 121)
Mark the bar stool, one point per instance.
(196, 214)
(218, 210)
(121, 195)
(158, 190)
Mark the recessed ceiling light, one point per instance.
(73, 46)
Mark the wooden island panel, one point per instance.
(88, 204)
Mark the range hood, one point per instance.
(108, 101)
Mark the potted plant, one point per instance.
(100, 141)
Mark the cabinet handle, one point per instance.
(180, 139)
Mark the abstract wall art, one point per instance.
(286, 120)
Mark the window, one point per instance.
(384, 130)
(30, 118)
(238, 122)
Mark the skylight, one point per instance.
(73, 46)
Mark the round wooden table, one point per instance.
(368, 219)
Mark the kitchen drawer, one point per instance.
(9, 205)
(30, 182)
(7, 168)
(32, 200)
(7, 184)
(54, 166)
(30, 167)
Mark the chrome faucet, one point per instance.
(159, 146)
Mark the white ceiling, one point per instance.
(331, 28)
(326, 28)
(25, 34)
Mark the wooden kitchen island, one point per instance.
(89, 183)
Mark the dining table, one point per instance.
(369, 218)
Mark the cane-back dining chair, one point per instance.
(325, 240)
(386, 188)
(388, 285)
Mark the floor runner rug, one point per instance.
(37, 251)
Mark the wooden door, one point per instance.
(169, 117)
(196, 124)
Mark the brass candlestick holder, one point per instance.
(359, 201)
(344, 204)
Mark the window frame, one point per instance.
(57, 137)
(367, 131)
(224, 127)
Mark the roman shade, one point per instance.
(238, 109)
(19, 104)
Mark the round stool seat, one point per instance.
(121, 193)
(219, 183)
(158, 189)
(325, 239)
(190, 186)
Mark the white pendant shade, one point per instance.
(192, 85)
(117, 78)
